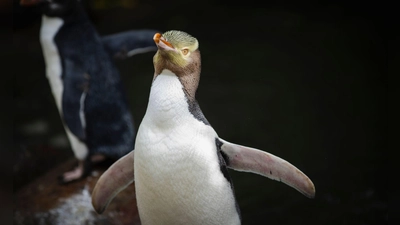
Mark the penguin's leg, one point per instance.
(101, 160)
(81, 153)
(97, 158)
(83, 169)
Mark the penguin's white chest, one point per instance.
(50, 27)
(177, 173)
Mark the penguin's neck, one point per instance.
(168, 104)
(49, 29)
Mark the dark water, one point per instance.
(305, 83)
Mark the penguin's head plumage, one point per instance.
(53, 8)
(176, 49)
(179, 53)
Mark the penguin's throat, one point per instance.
(168, 102)
(188, 71)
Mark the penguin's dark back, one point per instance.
(109, 125)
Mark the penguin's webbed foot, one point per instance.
(71, 175)
(79, 172)
(84, 168)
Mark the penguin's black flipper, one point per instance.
(73, 99)
(126, 44)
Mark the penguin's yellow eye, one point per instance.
(185, 51)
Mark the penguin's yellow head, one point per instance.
(175, 47)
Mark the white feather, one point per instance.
(177, 174)
(82, 110)
(49, 29)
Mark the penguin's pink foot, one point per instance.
(73, 175)
(84, 168)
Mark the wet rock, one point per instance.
(44, 201)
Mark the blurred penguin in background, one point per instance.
(86, 84)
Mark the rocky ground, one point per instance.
(44, 201)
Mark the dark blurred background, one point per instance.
(306, 82)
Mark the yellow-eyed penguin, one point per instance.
(179, 162)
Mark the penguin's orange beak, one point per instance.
(30, 2)
(158, 37)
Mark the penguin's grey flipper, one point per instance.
(126, 44)
(247, 159)
(115, 179)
